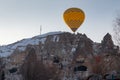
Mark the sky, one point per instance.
(21, 19)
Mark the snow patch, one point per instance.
(43, 40)
(73, 49)
(22, 48)
(21, 45)
(55, 38)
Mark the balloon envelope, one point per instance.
(74, 17)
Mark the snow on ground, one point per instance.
(21, 45)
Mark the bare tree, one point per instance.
(116, 30)
(33, 69)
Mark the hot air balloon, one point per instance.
(74, 17)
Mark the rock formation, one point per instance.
(73, 56)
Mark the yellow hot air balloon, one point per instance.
(74, 17)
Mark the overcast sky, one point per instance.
(22, 18)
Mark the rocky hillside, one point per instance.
(69, 56)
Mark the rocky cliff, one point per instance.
(73, 56)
